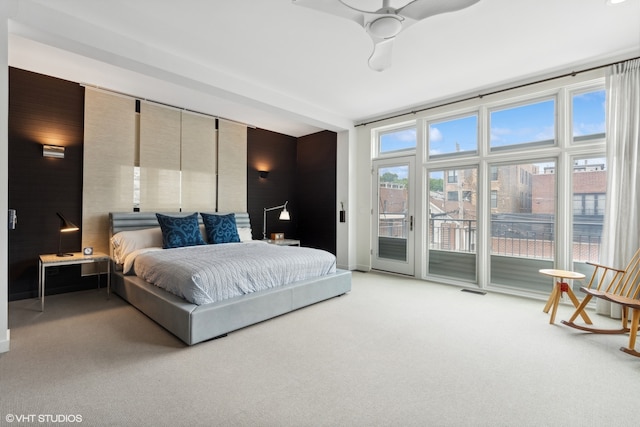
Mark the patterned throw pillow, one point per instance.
(220, 228)
(180, 231)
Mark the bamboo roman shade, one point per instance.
(159, 158)
(187, 162)
(198, 147)
(109, 146)
(232, 167)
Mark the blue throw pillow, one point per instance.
(220, 228)
(180, 231)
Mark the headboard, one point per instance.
(122, 221)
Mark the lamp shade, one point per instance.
(66, 226)
(284, 215)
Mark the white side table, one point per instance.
(284, 242)
(52, 260)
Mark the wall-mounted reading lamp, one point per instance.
(284, 216)
(66, 226)
(263, 174)
(53, 151)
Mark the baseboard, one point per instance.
(4, 344)
(363, 268)
(346, 267)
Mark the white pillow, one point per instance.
(126, 242)
(128, 260)
(245, 234)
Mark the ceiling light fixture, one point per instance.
(385, 27)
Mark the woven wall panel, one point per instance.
(199, 140)
(159, 158)
(232, 167)
(109, 147)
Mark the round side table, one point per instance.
(560, 287)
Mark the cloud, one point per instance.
(498, 134)
(434, 134)
(501, 131)
(548, 132)
(407, 135)
(581, 129)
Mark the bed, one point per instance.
(192, 322)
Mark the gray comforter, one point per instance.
(210, 273)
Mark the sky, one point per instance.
(509, 126)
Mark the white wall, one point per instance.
(362, 172)
(4, 176)
(345, 194)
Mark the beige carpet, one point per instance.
(393, 352)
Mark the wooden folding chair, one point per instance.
(613, 285)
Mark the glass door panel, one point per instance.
(393, 216)
(452, 225)
(523, 207)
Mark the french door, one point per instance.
(393, 215)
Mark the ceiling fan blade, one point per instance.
(380, 58)
(333, 7)
(421, 9)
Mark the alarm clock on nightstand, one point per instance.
(87, 251)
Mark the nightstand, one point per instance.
(284, 242)
(52, 260)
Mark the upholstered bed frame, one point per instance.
(196, 323)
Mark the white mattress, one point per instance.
(211, 273)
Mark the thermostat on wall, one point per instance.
(88, 250)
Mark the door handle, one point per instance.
(410, 222)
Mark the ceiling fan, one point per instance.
(384, 24)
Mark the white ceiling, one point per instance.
(293, 70)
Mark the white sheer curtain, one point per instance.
(621, 230)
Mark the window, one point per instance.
(529, 124)
(136, 188)
(457, 136)
(494, 173)
(588, 115)
(589, 194)
(494, 199)
(401, 139)
(588, 204)
(523, 224)
(517, 144)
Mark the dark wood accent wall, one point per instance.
(275, 153)
(302, 171)
(316, 190)
(43, 110)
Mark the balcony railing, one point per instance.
(518, 238)
(452, 234)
